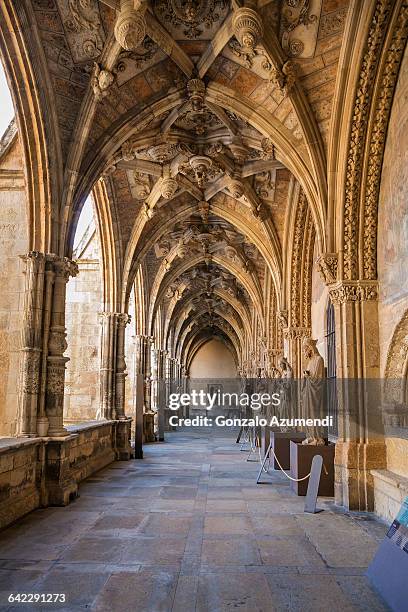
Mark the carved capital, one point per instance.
(57, 344)
(295, 333)
(65, 267)
(123, 319)
(354, 291)
(34, 257)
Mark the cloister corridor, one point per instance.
(187, 529)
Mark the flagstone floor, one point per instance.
(187, 529)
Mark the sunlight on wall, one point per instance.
(213, 360)
(86, 220)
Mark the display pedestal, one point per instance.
(388, 574)
(301, 457)
(388, 570)
(280, 443)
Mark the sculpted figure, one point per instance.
(286, 375)
(312, 390)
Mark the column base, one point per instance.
(42, 427)
(353, 481)
(123, 448)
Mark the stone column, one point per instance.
(31, 342)
(139, 394)
(57, 345)
(161, 392)
(167, 377)
(122, 319)
(154, 379)
(108, 365)
(148, 372)
(360, 446)
(42, 419)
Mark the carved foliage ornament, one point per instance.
(378, 136)
(31, 371)
(361, 114)
(296, 264)
(144, 53)
(191, 15)
(327, 265)
(285, 77)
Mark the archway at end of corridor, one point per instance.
(213, 360)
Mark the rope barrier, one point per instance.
(286, 474)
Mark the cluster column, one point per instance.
(142, 388)
(161, 391)
(293, 338)
(113, 365)
(41, 401)
(31, 342)
(360, 446)
(57, 345)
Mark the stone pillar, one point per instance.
(42, 419)
(31, 343)
(122, 320)
(161, 392)
(57, 345)
(360, 446)
(167, 376)
(154, 379)
(108, 365)
(148, 373)
(139, 393)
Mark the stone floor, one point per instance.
(187, 529)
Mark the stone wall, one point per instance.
(213, 360)
(391, 485)
(43, 472)
(393, 218)
(84, 297)
(13, 242)
(19, 490)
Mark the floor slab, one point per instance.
(187, 529)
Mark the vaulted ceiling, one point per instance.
(198, 118)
